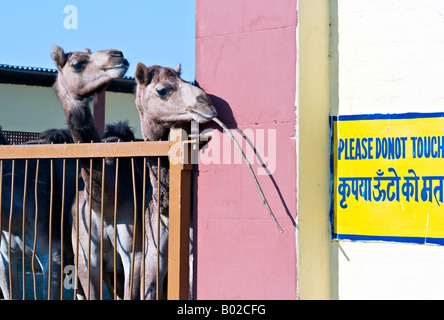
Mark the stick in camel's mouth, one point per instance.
(239, 148)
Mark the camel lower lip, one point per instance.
(117, 67)
(191, 110)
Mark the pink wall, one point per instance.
(246, 59)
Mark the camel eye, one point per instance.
(163, 92)
(78, 66)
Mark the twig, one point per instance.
(264, 200)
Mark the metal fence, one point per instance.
(19, 137)
(58, 160)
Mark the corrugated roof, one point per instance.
(45, 77)
(37, 69)
(7, 66)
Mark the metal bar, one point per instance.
(102, 213)
(179, 223)
(51, 196)
(115, 228)
(77, 229)
(85, 150)
(133, 258)
(143, 227)
(23, 230)
(10, 225)
(35, 226)
(89, 228)
(158, 230)
(61, 228)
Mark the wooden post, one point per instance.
(99, 112)
(179, 216)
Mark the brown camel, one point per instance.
(81, 76)
(164, 100)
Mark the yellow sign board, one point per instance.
(388, 177)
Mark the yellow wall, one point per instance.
(30, 108)
(314, 142)
(121, 106)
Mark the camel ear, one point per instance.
(178, 69)
(58, 56)
(87, 50)
(143, 75)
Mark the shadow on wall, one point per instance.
(225, 114)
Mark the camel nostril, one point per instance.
(116, 53)
(203, 98)
(213, 111)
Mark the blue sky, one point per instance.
(150, 31)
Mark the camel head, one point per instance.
(82, 74)
(163, 100)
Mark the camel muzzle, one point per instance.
(208, 113)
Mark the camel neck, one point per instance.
(81, 125)
(82, 128)
(154, 132)
(78, 115)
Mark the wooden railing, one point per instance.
(179, 192)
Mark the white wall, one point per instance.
(391, 55)
(389, 59)
(382, 270)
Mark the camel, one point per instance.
(34, 243)
(174, 102)
(81, 76)
(164, 100)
